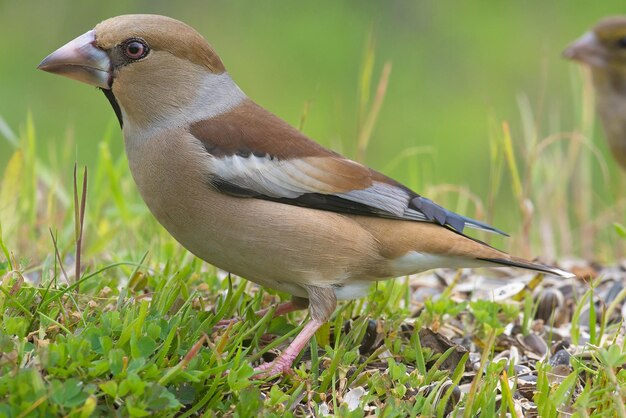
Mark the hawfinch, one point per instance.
(245, 191)
(603, 49)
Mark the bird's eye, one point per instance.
(135, 49)
(621, 42)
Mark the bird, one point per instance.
(248, 193)
(603, 50)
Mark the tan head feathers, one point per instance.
(161, 33)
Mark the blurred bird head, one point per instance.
(148, 65)
(604, 46)
(603, 50)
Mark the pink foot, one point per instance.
(282, 364)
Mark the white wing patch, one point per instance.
(296, 177)
(266, 175)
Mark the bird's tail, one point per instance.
(525, 264)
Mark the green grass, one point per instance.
(147, 346)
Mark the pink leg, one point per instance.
(322, 303)
(282, 364)
(282, 309)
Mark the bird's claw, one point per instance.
(278, 367)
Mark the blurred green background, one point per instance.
(459, 69)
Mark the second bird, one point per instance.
(603, 49)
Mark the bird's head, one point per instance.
(604, 46)
(147, 65)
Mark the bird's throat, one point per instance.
(116, 107)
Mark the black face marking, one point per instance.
(129, 51)
(116, 107)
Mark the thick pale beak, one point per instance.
(81, 60)
(586, 49)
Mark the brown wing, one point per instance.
(256, 154)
